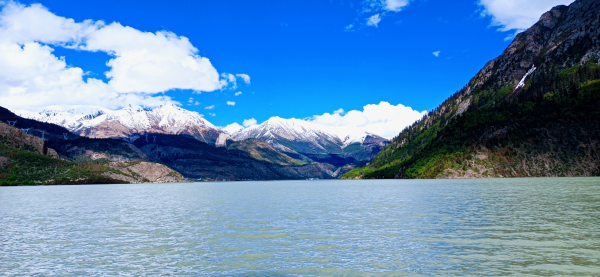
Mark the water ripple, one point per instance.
(340, 228)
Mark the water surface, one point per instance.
(547, 226)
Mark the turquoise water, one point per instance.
(344, 228)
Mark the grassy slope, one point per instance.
(28, 168)
(556, 115)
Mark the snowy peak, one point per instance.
(68, 117)
(291, 129)
(301, 129)
(295, 135)
(133, 109)
(125, 123)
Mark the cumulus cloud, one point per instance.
(249, 122)
(191, 100)
(517, 14)
(383, 119)
(209, 107)
(373, 20)
(197, 103)
(437, 53)
(142, 64)
(230, 103)
(232, 128)
(238, 93)
(244, 77)
(395, 5)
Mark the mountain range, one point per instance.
(302, 140)
(533, 111)
(187, 143)
(129, 123)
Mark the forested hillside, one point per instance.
(533, 111)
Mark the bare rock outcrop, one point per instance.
(16, 138)
(136, 172)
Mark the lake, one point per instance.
(537, 226)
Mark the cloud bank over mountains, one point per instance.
(143, 64)
(383, 119)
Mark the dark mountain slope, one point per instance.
(88, 149)
(196, 159)
(36, 128)
(507, 122)
(261, 150)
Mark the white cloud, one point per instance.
(380, 8)
(338, 111)
(229, 78)
(209, 107)
(244, 77)
(212, 114)
(232, 128)
(191, 100)
(382, 119)
(349, 28)
(249, 122)
(142, 64)
(197, 103)
(437, 53)
(373, 20)
(152, 62)
(238, 93)
(517, 14)
(230, 103)
(395, 5)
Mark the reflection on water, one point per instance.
(348, 228)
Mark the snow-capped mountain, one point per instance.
(288, 135)
(70, 118)
(130, 122)
(303, 137)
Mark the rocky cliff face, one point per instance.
(141, 172)
(532, 111)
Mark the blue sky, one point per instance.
(301, 57)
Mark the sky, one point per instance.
(367, 63)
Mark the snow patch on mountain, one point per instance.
(300, 130)
(125, 123)
(69, 117)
